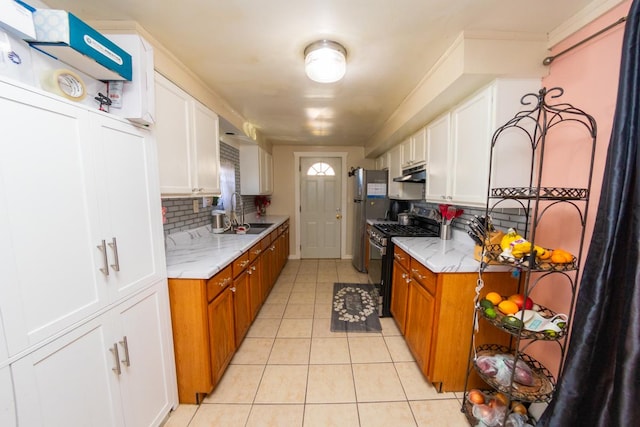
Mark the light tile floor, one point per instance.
(292, 371)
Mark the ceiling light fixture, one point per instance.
(325, 61)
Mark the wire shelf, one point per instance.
(541, 193)
(543, 381)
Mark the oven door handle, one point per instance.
(382, 249)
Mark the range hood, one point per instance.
(413, 174)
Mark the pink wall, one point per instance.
(589, 77)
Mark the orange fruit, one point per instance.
(508, 307)
(494, 297)
(476, 397)
(518, 408)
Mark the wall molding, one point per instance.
(590, 13)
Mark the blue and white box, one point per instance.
(68, 39)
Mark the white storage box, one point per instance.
(68, 39)
(137, 101)
(17, 18)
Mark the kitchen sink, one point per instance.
(255, 228)
(260, 225)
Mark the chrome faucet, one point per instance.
(234, 209)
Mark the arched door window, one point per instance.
(320, 169)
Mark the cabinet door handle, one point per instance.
(125, 346)
(253, 268)
(105, 261)
(417, 274)
(114, 247)
(244, 263)
(272, 248)
(257, 251)
(233, 289)
(116, 357)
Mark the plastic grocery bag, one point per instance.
(500, 367)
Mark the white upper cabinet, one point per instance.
(256, 170)
(395, 170)
(206, 149)
(413, 149)
(438, 147)
(188, 143)
(459, 142)
(399, 190)
(382, 162)
(470, 142)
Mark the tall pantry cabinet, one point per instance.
(83, 298)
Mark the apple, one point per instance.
(520, 301)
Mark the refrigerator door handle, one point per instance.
(338, 213)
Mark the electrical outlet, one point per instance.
(196, 206)
(207, 202)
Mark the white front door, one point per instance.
(320, 200)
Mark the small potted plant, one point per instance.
(261, 205)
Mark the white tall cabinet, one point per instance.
(82, 257)
(187, 135)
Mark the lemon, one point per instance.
(508, 307)
(494, 297)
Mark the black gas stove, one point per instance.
(381, 253)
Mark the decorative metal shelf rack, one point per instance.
(532, 125)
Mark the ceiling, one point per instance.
(250, 53)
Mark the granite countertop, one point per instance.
(200, 254)
(444, 256)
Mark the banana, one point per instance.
(515, 246)
(509, 238)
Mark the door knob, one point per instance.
(338, 216)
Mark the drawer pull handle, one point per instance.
(244, 263)
(114, 247)
(125, 346)
(116, 358)
(105, 261)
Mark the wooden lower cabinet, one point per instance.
(222, 337)
(242, 305)
(399, 295)
(421, 307)
(211, 317)
(439, 317)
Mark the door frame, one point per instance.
(343, 197)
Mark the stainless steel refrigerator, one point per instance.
(370, 198)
